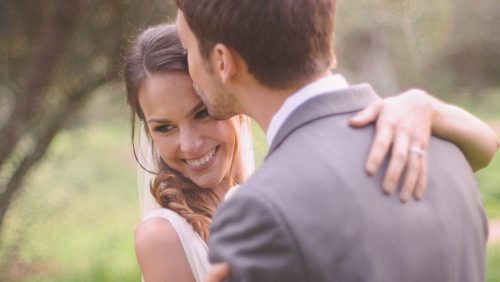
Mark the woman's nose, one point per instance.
(190, 141)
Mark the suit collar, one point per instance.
(343, 101)
(329, 83)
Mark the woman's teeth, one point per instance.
(203, 160)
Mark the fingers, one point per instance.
(397, 163)
(366, 116)
(218, 273)
(400, 122)
(413, 171)
(381, 144)
(421, 186)
(379, 150)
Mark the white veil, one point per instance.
(247, 150)
(147, 202)
(145, 156)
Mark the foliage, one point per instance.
(53, 56)
(259, 144)
(443, 46)
(76, 221)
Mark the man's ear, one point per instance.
(225, 62)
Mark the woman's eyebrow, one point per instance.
(158, 120)
(195, 109)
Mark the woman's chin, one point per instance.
(204, 184)
(208, 183)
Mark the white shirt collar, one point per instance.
(324, 85)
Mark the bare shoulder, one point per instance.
(157, 232)
(160, 253)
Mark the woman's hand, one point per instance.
(218, 273)
(403, 126)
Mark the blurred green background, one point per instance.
(69, 212)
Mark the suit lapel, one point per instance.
(343, 101)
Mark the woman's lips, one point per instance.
(203, 162)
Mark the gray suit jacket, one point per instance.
(311, 213)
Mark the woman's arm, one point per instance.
(403, 126)
(476, 139)
(159, 252)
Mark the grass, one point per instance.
(489, 182)
(74, 219)
(493, 263)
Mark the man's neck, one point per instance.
(262, 103)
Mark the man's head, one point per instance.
(208, 85)
(280, 42)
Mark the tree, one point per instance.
(472, 49)
(54, 55)
(443, 46)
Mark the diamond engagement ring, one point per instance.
(416, 150)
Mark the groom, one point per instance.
(310, 213)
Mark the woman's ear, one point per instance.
(225, 61)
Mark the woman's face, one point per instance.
(187, 139)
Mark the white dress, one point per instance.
(195, 248)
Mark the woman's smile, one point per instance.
(202, 162)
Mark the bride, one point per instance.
(189, 161)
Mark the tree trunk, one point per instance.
(39, 74)
(73, 104)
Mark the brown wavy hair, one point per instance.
(158, 50)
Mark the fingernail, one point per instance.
(370, 169)
(388, 187)
(404, 198)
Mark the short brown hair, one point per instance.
(281, 41)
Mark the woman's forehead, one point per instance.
(169, 94)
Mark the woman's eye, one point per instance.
(163, 128)
(202, 114)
